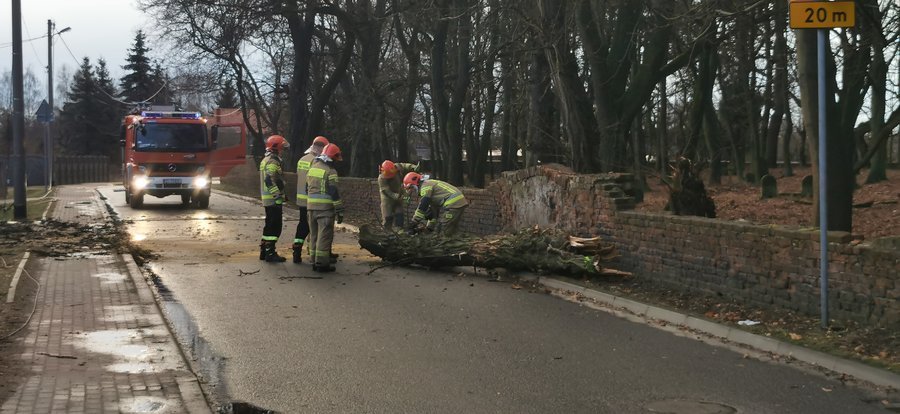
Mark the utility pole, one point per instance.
(20, 211)
(48, 137)
(48, 142)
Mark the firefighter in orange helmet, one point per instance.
(303, 166)
(324, 206)
(390, 188)
(271, 187)
(437, 199)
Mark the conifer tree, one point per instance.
(227, 97)
(137, 84)
(78, 125)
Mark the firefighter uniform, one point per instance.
(303, 225)
(271, 185)
(392, 195)
(323, 204)
(443, 201)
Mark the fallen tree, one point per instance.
(533, 249)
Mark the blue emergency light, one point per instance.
(178, 115)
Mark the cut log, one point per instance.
(534, 249)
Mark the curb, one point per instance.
(189, 386)
(648, 313)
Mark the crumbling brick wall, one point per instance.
(754, 264)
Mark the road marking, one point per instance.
(11, 295)
(46, 210)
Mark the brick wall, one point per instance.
(761, 265)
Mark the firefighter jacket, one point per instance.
(271, 180)
(302, 170)
(435, 195)
(391, 187)
(321, 187)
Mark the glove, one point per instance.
(339, 218)
(278, 199)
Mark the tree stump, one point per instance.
(687, 193)
(769, 186)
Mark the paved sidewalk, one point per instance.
(97, 341)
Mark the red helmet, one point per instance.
(388, 169)
(317, 145)
(276, 143)
(412, 179)
(333, 151)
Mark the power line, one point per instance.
(33, 49)
(9, 44)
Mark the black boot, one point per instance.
(262, 250)
(298, 253)
(272, 255)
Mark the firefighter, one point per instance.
(390, 186)
(303, 166)
(324, 206)
(271, 186)
(437, 199)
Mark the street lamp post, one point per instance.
(48, 138)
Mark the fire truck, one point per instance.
(177, 153)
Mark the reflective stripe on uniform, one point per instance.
(303, 165)
(453, 199)
(316, 172)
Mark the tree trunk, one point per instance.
(780, 91)
(301, 27)
(878, 76)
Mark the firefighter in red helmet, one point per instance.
(271, 186)
(390, 188)
(324, 206)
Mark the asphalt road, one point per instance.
(417, 341)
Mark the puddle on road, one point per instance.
(209, 365)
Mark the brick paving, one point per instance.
(98, 342)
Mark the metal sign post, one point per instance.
(822, 15)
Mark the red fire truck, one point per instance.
(177, 153)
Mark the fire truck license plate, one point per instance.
(171, 182)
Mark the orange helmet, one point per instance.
(412, 179)
(317, 145)
(276, 143)
(333, 151)
(388, 169)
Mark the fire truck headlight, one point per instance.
(140, 182)
(201, 181)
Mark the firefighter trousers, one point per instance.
(321, 236)
(391, 213)
(448, 222)
(272, 229)
(302, 227)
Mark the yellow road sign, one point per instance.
(822, 14)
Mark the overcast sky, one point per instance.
(99, 28)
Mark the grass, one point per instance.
(33, 208)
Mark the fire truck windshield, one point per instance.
(154, 136)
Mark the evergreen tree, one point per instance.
(109, 113)
(137, 84)
(161, 84)
(78, 125)
(227, 97)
